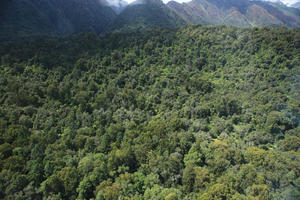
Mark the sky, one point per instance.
(284, 1)
(288, 2)
(129, 1)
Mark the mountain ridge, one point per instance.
(243, 13)
(51, 18)
(296, 5)
(26, 18)
(146, 14)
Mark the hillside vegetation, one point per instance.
(27, 19)
(144, 15)
(200, 112)
(241, 13)
(21, 19)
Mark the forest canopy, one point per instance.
(198, 112)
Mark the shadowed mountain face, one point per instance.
(27, 18)
(47, 18)
(146, 14)
(243, 13)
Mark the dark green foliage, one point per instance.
(200, 112)
(31, 18)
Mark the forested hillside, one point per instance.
(200, 112)
(21, 19)
(27, 19)
(145, 15)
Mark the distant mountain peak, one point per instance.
(157, 2)
(296, 5)
(146, 14)
(272, 1)
(243, 13)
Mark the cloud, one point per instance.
(288, 2)
(116, 3)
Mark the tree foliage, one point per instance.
(200, 112)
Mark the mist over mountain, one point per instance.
(49, 18)
(116, 5)
(285, 2)
(146, 14)
(296, 5)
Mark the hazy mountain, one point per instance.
(32, 18)
(145, 14)
(116, 5)
(272, 1)
(27, 18)
(296, 5)
(243, 13)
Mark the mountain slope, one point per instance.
(146, 14)
(243, 13)
(288, 16)
(27, 18)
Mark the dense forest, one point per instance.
(27, 19)
(199, 112)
